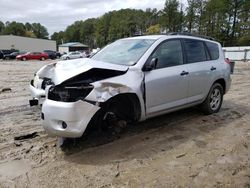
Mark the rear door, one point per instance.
(166, 86)
(201, 69)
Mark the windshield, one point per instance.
(124, 52)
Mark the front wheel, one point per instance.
(42, 59)
(214, 99)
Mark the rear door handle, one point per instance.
(213, 68)
(184, 73)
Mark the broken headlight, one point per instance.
(46, 82)
(69, 93)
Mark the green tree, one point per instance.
(171, 16)
(14, 28)
(73, 32)
(87, 32)
(59, 37)
(102, 29)
(2, 27)
(40, 31)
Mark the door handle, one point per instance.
(184, 73)
(213, 68)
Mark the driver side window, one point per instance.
(169, 54)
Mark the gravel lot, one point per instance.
(181, 149)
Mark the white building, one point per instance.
(27, 44)
(71, 47)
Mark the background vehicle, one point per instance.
(6, 52)
(33, 55)
(51, 54)
(72, 55)
(12, 55)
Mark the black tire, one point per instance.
(67, 58)
(42, 59)
(24, 58)
(214, 100)
(109, 117)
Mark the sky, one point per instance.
(56, 15)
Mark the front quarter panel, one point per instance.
(131, 82)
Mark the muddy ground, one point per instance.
(181, 149)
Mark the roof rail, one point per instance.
(190, 34)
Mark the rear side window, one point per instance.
(213, 50)
(195, 51)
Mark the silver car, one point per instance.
(72, 55)
(134, 79)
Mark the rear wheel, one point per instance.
(42, 58)
(214, 99)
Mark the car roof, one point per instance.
(156, 37)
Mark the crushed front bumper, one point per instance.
(37, 94)
(67, 119)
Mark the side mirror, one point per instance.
(150, 65)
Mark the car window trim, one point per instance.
(207, 52)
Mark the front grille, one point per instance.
(69, 93)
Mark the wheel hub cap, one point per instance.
(215, 99)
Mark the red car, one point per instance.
(33, 55)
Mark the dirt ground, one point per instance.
(181, 149)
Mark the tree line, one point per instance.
(228, 21)
(35, 30)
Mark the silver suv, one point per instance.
(134, 79)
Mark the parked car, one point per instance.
(131, 80)
(72, 55)
(58, 54)
(6, 52)
(51, 54)
(33, 55)
(12, 55)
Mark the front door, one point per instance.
(166, 86)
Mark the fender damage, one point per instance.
(77, 98)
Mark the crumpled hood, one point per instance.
(64, 70)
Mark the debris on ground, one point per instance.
(26, 136)
(181, 155)
(18, 144)
(5, 90)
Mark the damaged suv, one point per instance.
(134, 79)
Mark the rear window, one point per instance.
(195, 51)
(213, 50)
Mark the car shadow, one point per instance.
(156, 135)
